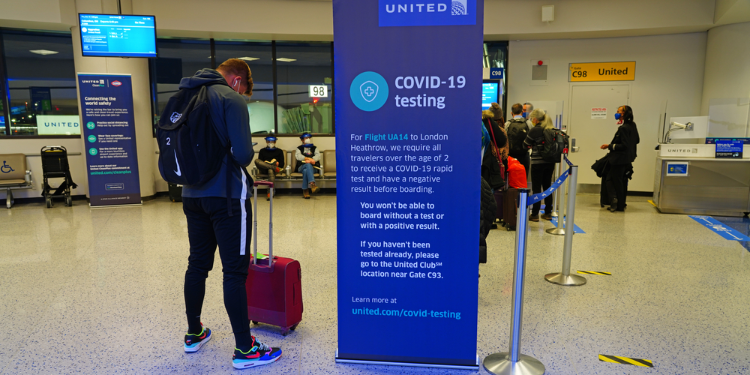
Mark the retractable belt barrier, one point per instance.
(555, 185)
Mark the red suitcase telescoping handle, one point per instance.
(265, 265)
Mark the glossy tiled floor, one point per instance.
(100, 291)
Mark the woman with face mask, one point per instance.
(622, 153)
(270, 160)
(308, 158)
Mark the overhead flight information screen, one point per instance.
(115, 35)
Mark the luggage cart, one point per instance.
(55, 165)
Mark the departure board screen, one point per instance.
(116, 35)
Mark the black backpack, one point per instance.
(190, 150)
(555, 144)
(517, 131)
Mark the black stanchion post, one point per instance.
(513, 362)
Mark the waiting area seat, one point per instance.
(14, 175)
(289, 178)
(329, 164)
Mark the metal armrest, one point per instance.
(288, 170)
(27, 177)
(321, 171)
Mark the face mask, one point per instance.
(308, 141)
(617, 116)
(272, 146)
(523, 115)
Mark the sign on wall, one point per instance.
(58, 125)
(598, 113)
(109, 138)
(408, 106)
(606, 71)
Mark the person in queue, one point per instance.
(270, 160)
(527, 109)
(518, 130)
(541, 170)
(497, 114)
(308, 158)
(218, 218)
(622, 154)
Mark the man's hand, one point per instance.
(604, 147)
(309, 161)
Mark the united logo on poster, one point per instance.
(426, 13)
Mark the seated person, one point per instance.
(270, 160)
(308, 159)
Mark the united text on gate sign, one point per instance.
(606, 71)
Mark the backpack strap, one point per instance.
(496, 150)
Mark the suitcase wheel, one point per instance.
(255, 322)
(292, 328)
(508, 229)
(284, 332)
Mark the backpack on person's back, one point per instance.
(190, 150)
(556, 143)
(517, 130)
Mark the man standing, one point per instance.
(218, 213)
(517, 132)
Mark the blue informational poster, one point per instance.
(489, 94)
(677, 169)
(729, 149)
(117, 35)
(408, 134)
(109, 136)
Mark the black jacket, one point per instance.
(624, 144)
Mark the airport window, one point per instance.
(304, 87)
(41, 84)
(282, 100)
(259, 56)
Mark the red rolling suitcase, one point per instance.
(274, 284)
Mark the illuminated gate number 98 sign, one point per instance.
(317, 91)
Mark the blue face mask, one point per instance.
(523, 115)
(617, 116)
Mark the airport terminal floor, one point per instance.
(98, 291)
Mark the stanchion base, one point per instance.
(554, 214)
(556, 231)
(570, 280)
(500, 364)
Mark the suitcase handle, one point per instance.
(264, 265)
(255, 225)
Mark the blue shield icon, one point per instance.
(369, 91)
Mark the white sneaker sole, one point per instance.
(199, 346)
(244, 365)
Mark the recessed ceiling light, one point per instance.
(284, 59)
(43, 52)
(249, 58)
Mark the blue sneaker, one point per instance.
(259, 355)
(193, 342)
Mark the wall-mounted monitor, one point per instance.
(490, 93)
(117, 35)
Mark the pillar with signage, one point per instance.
(408, 137)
